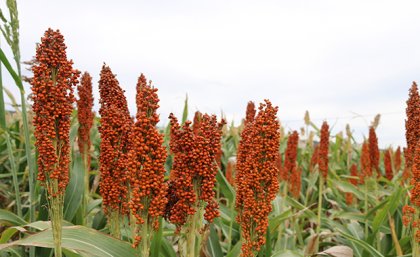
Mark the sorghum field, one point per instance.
(114, 183)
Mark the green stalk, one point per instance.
(191, 230)
(146, 233)
(318, 228)
(2, 108)
(114, 223)
(366, 210)
(86, 169)
(232, 208)
(394, 236)
(14, 174)
(56, 213)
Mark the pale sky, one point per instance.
(338, 59)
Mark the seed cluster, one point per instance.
(374, 151)
(366, 167)
(52, 86)
(115, 129)
(146, 159)
(314, 158)
(244, 149)
(194, 169)
(323, 150)
(415, 180)
(397, 159)
(412, 124)
(291, 172)
(258, 182)
(85, 114)
(388, 165)
(290, 157)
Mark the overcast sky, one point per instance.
(344, 61)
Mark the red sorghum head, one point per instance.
(194, 169)
(397, 159)
(244, 149)
(415, 179)
(230, 171)
(290, 156)
(258, 182)
(146, 159)
(323, 150)
(197, 121)
(115, 129)
(366, 167)
(52, 86)
(250, 112)
(374, 151)
(388, 165)
(85, 114)
(412, 124)
(296, 182)
(314, 158)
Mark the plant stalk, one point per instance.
(86, 169)
(114, 224)
(56, 212)
(14, 174)
(318, 228)
(366, 210)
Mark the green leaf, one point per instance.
(225, 187)
(370, 249)
(85, 241)
(10, 69)
(286, 253)
(93, 204)
(392, 204)
(213, 243)
(7, 234)
(274, 222)
(75, 189)
(185, 111)
(7, 217)
(167, 249)
(235, 251)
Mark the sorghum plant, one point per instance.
(412, 125)
(397, 159)
(374, 151)
(258, 180)
(244, 149)
(85, 117)
(52, 86)
(193, 177)
(388, 165)
(115, 130)
(323, 169)
(290, 155)
(146, 159)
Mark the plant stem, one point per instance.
(14, 174)
(146, 234)
(394, 236)
(86, 169)
(114, 224)
(366, 210)
(56, 213)
(318, 228)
